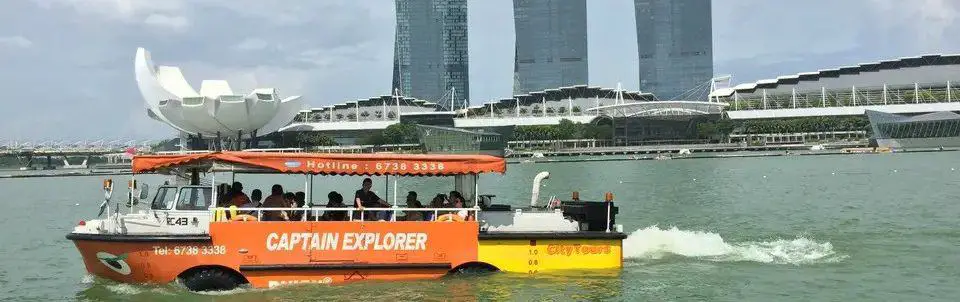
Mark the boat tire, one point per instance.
(211, 279)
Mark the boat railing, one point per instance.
(352, 214)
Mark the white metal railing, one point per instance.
(219, 214)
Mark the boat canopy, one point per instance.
(323, 164)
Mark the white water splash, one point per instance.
(87, 279)
(655, 243)
(124, 289)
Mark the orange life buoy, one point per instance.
(450, 217)
(243, 217)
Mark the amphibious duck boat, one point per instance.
(186, 236)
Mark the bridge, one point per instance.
(27, 152)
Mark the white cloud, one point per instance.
(177, 23)
(252, 44)
(127, 10)
(16, 41)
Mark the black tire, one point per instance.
(211, 279)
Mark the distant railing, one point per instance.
(314, 213)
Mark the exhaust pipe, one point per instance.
(535, 194)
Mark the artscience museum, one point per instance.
(216, 111)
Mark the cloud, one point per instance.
(128, 10)
(252, 44)
(177, 23)
(16, 42)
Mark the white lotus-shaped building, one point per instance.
(216, 110)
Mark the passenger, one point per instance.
(275, 200)
(365, 198)
(237, 197)
(457, 201)
(439, 201)
(412, 202)
(334, 200)
(300, 198)
(297, 202)
(291, 199)
(255, 197)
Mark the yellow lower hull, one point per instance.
(545, 255)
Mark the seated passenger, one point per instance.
(334, 200)
(439, 201)
(255, 198)
(237, 197)
(296, 213)
(412, 202)
(457, 201)
(275, 200)
(299, 200)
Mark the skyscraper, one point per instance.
(675, 44)
(551, 44)
(430, 55)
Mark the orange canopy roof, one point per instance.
(331, 164)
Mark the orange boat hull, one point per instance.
(268, 254)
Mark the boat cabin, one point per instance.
(189, 204)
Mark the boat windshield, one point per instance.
(164, 199)
(195, 198)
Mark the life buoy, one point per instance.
(450, 217)
(243, 217)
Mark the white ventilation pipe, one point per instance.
(535, 194)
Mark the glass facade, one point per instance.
(551, 44)
(922, 129)
(675, 45)
(430, 55)
(448, 140)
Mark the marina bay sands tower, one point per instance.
(551, 44)
(430, 56)
(675, 45)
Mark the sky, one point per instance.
(66, 66)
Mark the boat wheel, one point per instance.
(211, 279)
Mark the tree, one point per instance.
(566, 129)
(707, 130)
(312, 139)
(401, 133)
